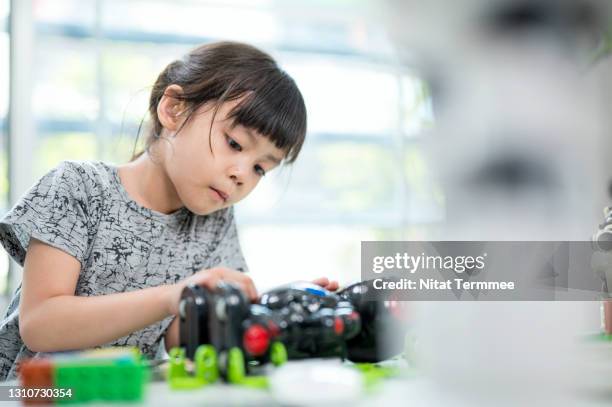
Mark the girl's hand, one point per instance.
(330, 285)
(210, 278)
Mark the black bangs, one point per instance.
(274, 107)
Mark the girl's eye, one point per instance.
(233, 145)
(260, 171)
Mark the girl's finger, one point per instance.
(333, 285)
(322, 281)
(210, 281)
(250, 288)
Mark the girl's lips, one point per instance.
(222, 195)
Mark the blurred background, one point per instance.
(78, 78)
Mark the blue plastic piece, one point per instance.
(315, 291)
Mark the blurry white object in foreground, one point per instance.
(316, 382)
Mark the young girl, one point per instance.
(107, 250)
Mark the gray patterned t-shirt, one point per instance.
(83, 209)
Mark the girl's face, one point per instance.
(207, 181)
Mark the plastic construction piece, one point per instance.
(205, 369)
(358, 323)
(37, 374)
(278, 354)
(208, 365)
(115, 374)
(106, 376)
(236, 371)
(177, 361)
(599, 337)
(235, 366)
(373, 374)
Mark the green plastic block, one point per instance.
(258, 382)
(235, 366)
(597, 337)
(186, 383)
(206, 363)
(278, 353)
(176, 367)
(206, 369)
(236, 372)
(101, 380)
(373, 374)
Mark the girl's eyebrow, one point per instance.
(269, 157)
(273, 159)
(249, 133)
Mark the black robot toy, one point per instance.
(307, 319)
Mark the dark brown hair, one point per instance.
(272, 104)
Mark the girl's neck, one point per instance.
(147, 183)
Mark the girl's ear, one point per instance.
(170, 108)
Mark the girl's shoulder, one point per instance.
(84, 181)
(60, 209)
(81, 174)
(70, 184)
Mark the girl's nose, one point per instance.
(236, 179)
(236, 174)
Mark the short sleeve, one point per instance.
(53, 211)
(228, 252)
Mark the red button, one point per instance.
(338, 326)
(256, 340)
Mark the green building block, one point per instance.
(236, 372)
(278, 354)
(206, 369)
(206, 363)
(120, 379)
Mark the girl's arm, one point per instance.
(171, 339)
(52, 318)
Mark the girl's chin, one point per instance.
(203, 210)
